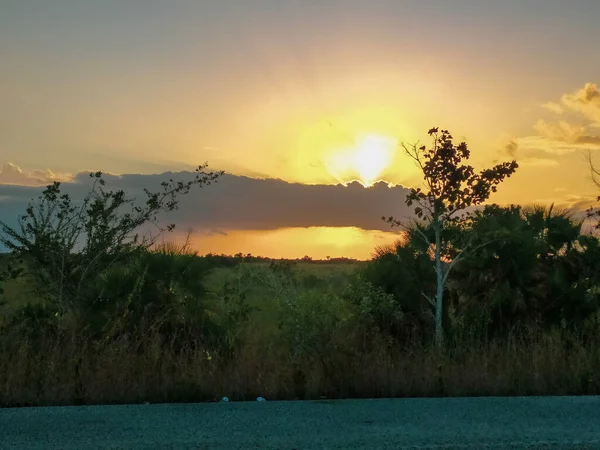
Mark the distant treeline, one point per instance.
(232, 260)
(248, 257)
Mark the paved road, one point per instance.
(473, 423)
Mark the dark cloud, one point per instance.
(511, 148)
(242, 203)
(595, 140)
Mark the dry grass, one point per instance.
(76, 371)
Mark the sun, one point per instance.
(367, 159)
(372, 156)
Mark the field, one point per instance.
(291, 332)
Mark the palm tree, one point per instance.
(529, 273)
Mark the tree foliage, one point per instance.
(537, 269)
(528, 270)
(451, 187)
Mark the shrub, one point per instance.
(90, 263)
(66, 243)
(393, 282)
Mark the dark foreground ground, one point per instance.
(474, 423)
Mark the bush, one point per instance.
(390, 290)
(158, 291)
(66, 243)
(91, 265)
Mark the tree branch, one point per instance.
(460, 256)
(429, 299)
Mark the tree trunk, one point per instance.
(439, 295)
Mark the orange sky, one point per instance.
(306, 94)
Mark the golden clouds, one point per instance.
(577, 129)
(585, 101)
(559, 131)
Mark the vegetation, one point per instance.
(452, 187)
(97, 311)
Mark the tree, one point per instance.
(451, 188)
(67, 243)
(535, 270)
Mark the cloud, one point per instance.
(511, 149)
(238, 203)
(13, 174)
(578, 204)
(538, 162)
(554, 107)
(243, 203)
(593, 141)
(585, 101)
(559, 131)
(554, 147)
(213, 233)
(577, 129)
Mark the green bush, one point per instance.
(160, 291)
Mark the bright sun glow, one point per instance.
(367, 160)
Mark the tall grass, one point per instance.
(74, 370)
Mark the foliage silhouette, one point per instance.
(452, 187)
(66, 243)
(536, 269)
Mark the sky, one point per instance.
(294, 97)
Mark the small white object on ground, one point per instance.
(225, 399)
(260, 399)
